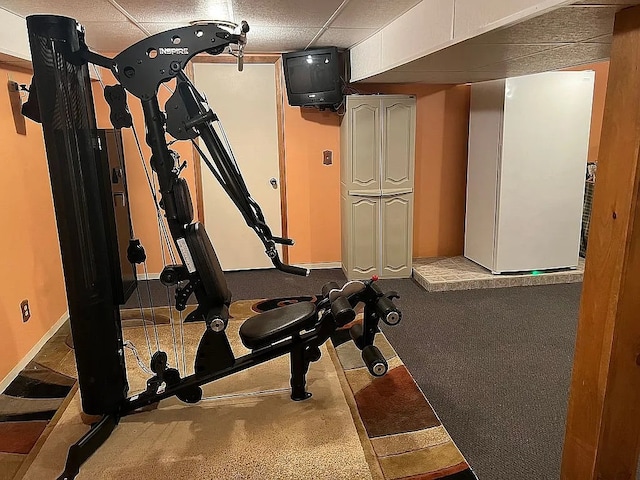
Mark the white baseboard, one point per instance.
(310, 266)
(32, 353)
(151, 276)
(321, 266)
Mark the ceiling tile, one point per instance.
(564, 25)
(372, 13)
(112, 37)
(93, 11)
(343, 37)
(259, 38)
(291, 13)
(154, 28)
(442, 78)
(554, 59)
(467, 56)
(278, 39)
(184, 11)
(621, 3)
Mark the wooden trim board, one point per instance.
(602, 435)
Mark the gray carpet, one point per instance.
(495, 364)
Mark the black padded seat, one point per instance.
(206, 263)
(269, 327)
(182, 198)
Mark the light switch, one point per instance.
(327, 157)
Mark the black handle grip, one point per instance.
(292, 269)
(327, 287)
(283, 241)
(388, 312)
(374, 360)
(357, 335)
(342, 311)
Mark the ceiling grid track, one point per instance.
(328, 23)
(130, 17)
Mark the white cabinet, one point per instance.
(377, 165)
(528, 145)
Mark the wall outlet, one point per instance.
(26, 311)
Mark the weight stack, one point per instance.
(68, 121)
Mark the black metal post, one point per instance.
(69, 125)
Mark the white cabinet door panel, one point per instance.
(398, 143)
(364, 145)
(365, 218)
(396, 236)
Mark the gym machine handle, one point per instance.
(342, 311)
(292, 269)
(374, 360)
(387, 311)
(339, 303)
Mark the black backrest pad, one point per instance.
(207, 264)
(184, 207)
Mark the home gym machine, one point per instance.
(65, 108)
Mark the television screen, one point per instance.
(313, 77)
(310, 74)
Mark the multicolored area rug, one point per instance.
(400, 434)
(31, 402)
(407, 439)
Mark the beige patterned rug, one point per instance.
(246, 427)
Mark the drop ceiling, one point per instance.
(568, 36)
(571, 34)
(276, 26)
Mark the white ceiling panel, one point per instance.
(568, 36)
(564, 25)
(621, 3)
(450, 78)
(372, 13)
(343, 37)
(94, 11)
(152, 11)
(278, 39)
(285, 13)
(112, 37)
(154, 28)
(553, 59)
(463, 57)
(260, 38)
(473, 16)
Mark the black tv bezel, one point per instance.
(335, 95)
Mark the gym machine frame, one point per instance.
(61, 80)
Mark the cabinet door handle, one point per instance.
(396, 193)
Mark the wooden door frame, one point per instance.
(276, 60)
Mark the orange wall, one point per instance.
(31, 263)
(313, 189)
(442, 134)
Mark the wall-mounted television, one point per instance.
(313, 77)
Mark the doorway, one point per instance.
(245, 103)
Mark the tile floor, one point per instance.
(441, 274)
